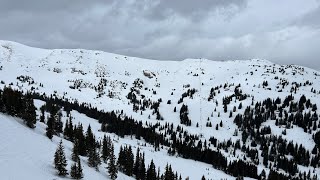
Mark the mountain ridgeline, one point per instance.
(247, 119)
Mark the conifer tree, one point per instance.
(203, 178)
(76, 170)
(75, 151)
(142, 169)
(168, 174)
(50, 125)
(112, 168)
(90, 140)
(80, 174)
(29, 115)
(73, 170)
(60, 161)
(158, 174)
(151, 172)
(42, 114)
(68, 129)
(129, 161)
(121, 159)
(106, 144)
(136, 163)
(78, 135)
(52, 122)
(94, 159)
(58, 123)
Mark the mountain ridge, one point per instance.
(14, 45)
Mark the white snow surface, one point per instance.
(57, 70)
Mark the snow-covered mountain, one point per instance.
(205, 96)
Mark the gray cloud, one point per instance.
(281, 31)
(311, 19)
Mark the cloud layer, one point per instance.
(286, 32)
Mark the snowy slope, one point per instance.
(28, 154)
(76, 74)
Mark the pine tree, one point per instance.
(94, 159)
(90, 140)
(142, 169)
(151, 172)
(106, 143)
(137, 162)
(73, 171)
(54, 123)
(58, 123)
(80, 174)
(121, 159)
(71, 133)
(129, 161)
(60, 161)
(75, 151)
(168, 174)
(78, 135)
(29, 115)
(158, 174)
(76, 171)
(50, 129)
(112, 168)
(67, 131)
(42, 114)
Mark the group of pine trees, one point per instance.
(128, 126)
(136, 166)
(184, 119)
(189, 147)
(15, 103)
(60, 163)
(54, 123)
(126, 163)
(275, 149)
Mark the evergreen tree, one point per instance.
(112, 168)
(94, 159)
(80, 174)
(58, 123)
(106, 144)
(121, 159)
(60, 161)
(151, 172)
(129, 161)
(68, 129)
(76, 170)
(29, 115)
(79, 136)
(75, 151)
(136, 163)
(42, 108)
(142, 169)
(168, 174)
(73, 170)
(50, 125)
(90, 140)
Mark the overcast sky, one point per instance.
(285, 31)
